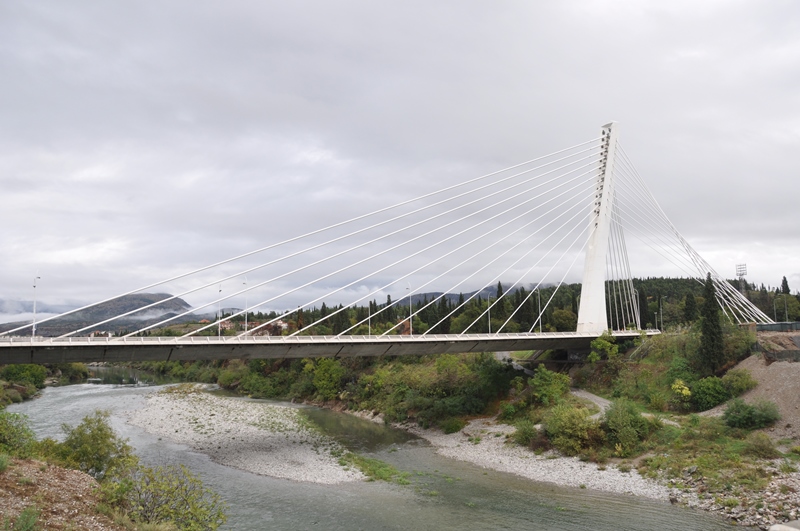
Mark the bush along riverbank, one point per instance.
(21, 382)
(92, 480)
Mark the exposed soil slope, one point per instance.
(778, 382)
(65, 498)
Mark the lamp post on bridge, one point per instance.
(410, 313)
(245, 305)
(539, 299)
(489, 310)
(219, 313)
(33, 330)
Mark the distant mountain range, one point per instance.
(159, 312)
(106, 310)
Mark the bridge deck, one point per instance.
(86, 349)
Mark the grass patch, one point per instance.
(374, 469)
(26, 521)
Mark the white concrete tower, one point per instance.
(592, 310)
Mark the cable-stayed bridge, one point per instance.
(532, 222)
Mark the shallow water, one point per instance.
(443, 494)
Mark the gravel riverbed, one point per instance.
(253, 436)
(483, 442)
(277, 441)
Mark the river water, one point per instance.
(444, 494)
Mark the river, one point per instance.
(444, 494)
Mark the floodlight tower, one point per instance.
(741, 272)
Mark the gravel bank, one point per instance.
(260, 438)
(483, 442)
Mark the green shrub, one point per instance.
(758, 444)
(737, 381)
(4, 461)
(328, 375)
(16, 437)
(625, 427)
(507, 410)
(680, 369)
(72, 372)
(658, 401)
(569, 428)
(525, 432)
(740, 414)
(257, 386)
(709, 392)
(452, 425)
(32, 374)
(172, 494)
(548, 387)
(232, 376)
(14, 395)
(27, 520)
(93, 447)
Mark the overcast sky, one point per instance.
(142, 139)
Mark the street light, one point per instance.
(219, 313)
(245, 305)
(539, 299)
(33, 331)
(489, 309)
(410, 314)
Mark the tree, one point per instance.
(712, 355)
(690, 308)
(564, 320)
(328, 375)
(172, 494)
(785, 286)
(93, 447)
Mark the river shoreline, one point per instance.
(274, 440)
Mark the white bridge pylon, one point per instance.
(592, 314)
(529, 223)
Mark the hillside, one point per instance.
(113, 308)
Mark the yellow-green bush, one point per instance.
(569, 428)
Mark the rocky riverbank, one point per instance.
(252, 436)
(483, 442)
(276, 441)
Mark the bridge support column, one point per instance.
(592, 310)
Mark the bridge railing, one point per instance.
(200, 340)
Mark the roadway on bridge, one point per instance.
(85, 349)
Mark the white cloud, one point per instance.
(142, 140)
